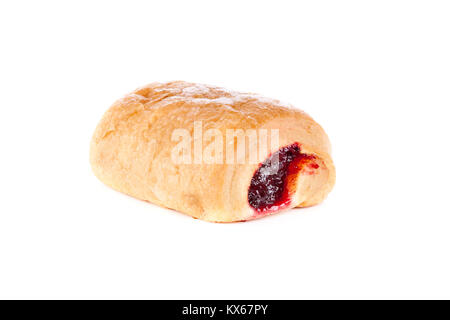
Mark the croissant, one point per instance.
(212, 153)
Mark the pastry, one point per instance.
(212, 153)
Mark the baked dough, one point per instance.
(132, 151)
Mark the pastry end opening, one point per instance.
(274, 183)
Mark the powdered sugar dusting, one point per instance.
(206, 94)
(196, 89)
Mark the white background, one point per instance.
(374, 74)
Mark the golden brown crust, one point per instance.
(131, 148)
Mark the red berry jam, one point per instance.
(272, 185)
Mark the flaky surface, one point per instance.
(131, 149)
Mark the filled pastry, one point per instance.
(212, 153)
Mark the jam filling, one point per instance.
(272, 185)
